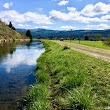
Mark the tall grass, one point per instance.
(80, 99)
(63, 79)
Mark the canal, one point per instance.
(17, 72)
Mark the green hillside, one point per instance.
(8, 33)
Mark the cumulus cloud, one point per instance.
(15, 17)
(90, 13)
(63, 2)
(98, 27)
(27, 26)
(106, 17)
(97, 9)
(8, 5)
(103, 26)
(74, 16)
(67, 27)
(64, 16)
(71, 9)
(24, 25)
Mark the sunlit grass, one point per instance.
(98, 44)
(67, 79)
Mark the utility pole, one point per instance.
(79, 40)
(70, 35)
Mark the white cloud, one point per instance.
(103, 26)
(15, 17)
(64, 16)
(87, 28)
(42, 27)
(33, 27)
(106, 17)
(24, 25)
(67, 27)
(72, 9)
(98, 27)
(87, 15)
(39, 9)
(37, 18)
(97, 9)
(63, 2)
(8, 5)
(21, 25)
(74, 16)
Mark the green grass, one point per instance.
(40, 93)
(98, 44)
(69, 80)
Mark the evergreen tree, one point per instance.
(11, 26)
(28, 34)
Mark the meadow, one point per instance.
(69, 80)
(98, 44)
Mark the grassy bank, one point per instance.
(69, 80)
(98, 44)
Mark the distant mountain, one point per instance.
(44, 33)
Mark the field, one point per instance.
(69, 80)
(98, 44)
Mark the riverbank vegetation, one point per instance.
(69, 80)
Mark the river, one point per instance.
(17, 72)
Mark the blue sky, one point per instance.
(56, 14)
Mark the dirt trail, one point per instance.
(92, 51)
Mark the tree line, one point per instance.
(28, 32)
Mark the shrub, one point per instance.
(107, 42)
(65, 47)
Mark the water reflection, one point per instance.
(17, 66)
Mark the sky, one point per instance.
(56, 14)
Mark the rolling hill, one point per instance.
(44, 33)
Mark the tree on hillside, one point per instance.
(28, 34)
(11, 26)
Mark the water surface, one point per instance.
(17, 66)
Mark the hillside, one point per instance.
(8, 33)
(66, 34)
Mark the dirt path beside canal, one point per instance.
(103, 54)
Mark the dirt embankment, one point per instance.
(92, 51)
(11, 40)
